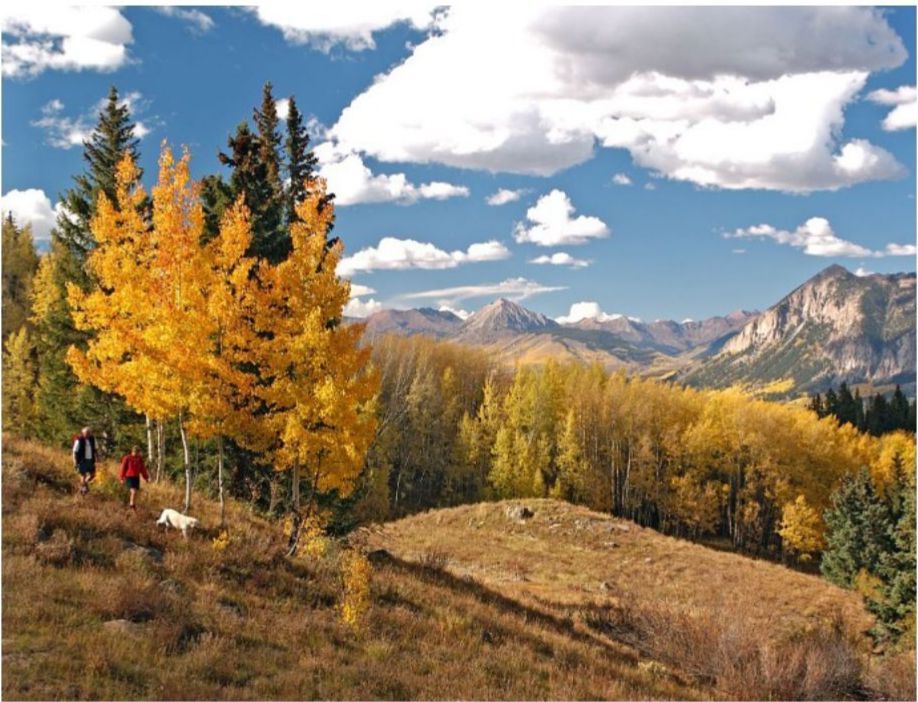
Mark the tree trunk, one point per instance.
(160, 450)
(149, 440)
(186, 457)
(220, 480)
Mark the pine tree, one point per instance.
(877, 419)
(899, 411)
(301, 161)
(857, 530)
(270, 215)
(112, 138)
(20, 261)
(816, 405)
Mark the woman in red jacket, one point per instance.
(132, 468)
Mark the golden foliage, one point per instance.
(356, 573)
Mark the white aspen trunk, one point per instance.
(186, 457)
(220, 480)
(149, 440)
(160, 450)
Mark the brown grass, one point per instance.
(750, 629)
(99, 604)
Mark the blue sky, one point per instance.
(679, 163)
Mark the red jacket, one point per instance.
(132, 467)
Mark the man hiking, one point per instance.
(84, 458)
(132, 468)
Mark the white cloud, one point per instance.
(198, 22)
(323, 26)
(358, 290)
(817, 238)
(283, 108)
(67, 132)
(39, 37)
(561, 259)
(861, 272)
(904, 100)
(513, 288)
(649, 186)
(460, 313)
(621, 179)
(354, 183)
(589, 310)
(401, 254)
(503, 196)
(718, 96)
(361, 308)
(552, 224)
(32, 207)
(739, 251)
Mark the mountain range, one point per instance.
(836, 326)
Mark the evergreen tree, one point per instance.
(857, 530)
(847, 406)
(877, 420)
(859, 416)
(276, 246)
(20, 261)
(301, 161)
(112, 137)
(830, 406)
(899, 411)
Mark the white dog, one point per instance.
(177, 520)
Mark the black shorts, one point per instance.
(133, 482)
(87, 467)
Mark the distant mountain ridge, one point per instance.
(836, 326)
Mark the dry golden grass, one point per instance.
(750, 628)
(99, 604)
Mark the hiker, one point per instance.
(132, 468)
(84, 458)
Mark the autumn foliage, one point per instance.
(231, 345)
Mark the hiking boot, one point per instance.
(84, 488)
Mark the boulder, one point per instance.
(519, 512)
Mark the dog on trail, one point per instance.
(177, 520)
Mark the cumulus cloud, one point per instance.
(512, 288)
(358, 290)
(504, 196)
(561, 259)
(40, 37)
(361, 308)
(198, 22)
(31, 207)
(718, 96)
(354, 183)
(460, 313)
(400, 254)
(862, 272)
(552, 224)
(621, 179)
(904, 101)
(324, 26)
(67, 131)
(817, 238)
(589, 310)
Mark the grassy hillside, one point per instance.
(465, 603)
(751, 629)
(98, 604)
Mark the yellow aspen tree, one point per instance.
(314, 376)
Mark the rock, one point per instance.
(519, 512)
(122, 626)
(620, 527)
(604, 586)
(648, 560)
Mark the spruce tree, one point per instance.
(857, 530)
(112, 137)
(898, 411)
(276, 246)
(301, 162)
